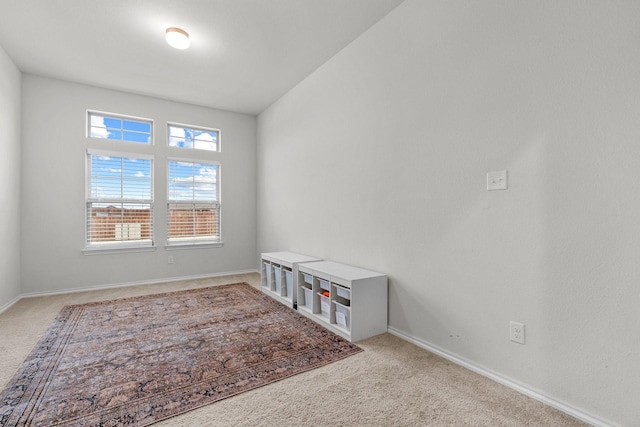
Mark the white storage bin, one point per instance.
(267, 272)
(343, 292)
(324, 284)
(343, 313)
(308, 298)
(325, 305)
(278, 276)
(308, 278)
(288, 278)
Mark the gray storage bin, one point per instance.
(288, 279)
(278, 278)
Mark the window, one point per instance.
(193, 203)
(119, 200)
(119, 189)
(120, 128)
(184, 136)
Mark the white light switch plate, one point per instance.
(497, 180)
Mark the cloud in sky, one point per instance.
(193, 182)
(98, 128)
(206, 141)
(184, 137)
(178, 137)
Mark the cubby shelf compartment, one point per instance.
(357, 302)
(279, 275)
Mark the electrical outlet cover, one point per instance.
(497, 180)
(516, 332)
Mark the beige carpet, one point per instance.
(391, 383)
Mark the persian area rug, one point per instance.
(135, 361)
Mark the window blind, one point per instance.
(193, 208)
(119, 199)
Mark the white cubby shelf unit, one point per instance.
(280, 274)
(349, 301)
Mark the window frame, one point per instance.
(125, 245)
(120, 117)
(194, 241)
(194, 128)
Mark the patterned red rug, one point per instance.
(139, 360)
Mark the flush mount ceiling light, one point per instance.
(177, 38)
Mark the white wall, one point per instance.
(378, 159)
(9, 179)
(53, 201)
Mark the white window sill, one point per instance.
(116, 249)
(192, 245)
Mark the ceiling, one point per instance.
(244, 54)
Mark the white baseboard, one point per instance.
(121, 285)
(10, 303)
(521, 388)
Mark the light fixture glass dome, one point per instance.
(177, 38)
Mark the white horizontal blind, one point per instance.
(194, 221)
(193, 208)
(119, 200)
